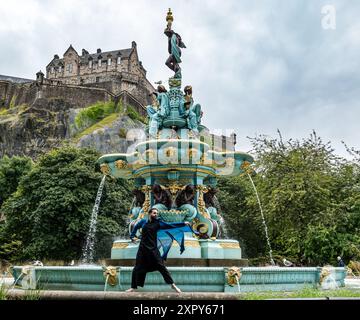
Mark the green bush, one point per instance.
(94, 113)
(134, 115)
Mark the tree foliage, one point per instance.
(310, 199)
(11, 171)
(50, 211)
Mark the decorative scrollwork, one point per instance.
(229, 245)
(174, 188)
(146, 205)
(201, 203)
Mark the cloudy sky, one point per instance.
(255, 66)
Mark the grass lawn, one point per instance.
(304, 293)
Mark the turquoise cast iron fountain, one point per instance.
(175, 169)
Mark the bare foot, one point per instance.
(173, 286)
(130, 290)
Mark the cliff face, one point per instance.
(48, 123)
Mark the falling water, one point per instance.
(263, 219)
(238, 283)
(88, 251)
(106, 282)
(223, 227)
(16, 281)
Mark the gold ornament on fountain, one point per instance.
(246, 167)
(325, 272)
(170, 152)
(121, 164)
(233, 276)
(110, 275)
(105, 169)
(169, 19)
(149, 154)
(201, 203)
(192, 153)
(174, 188)
(146, 205)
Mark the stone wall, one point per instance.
(77, 96)
(17, 94)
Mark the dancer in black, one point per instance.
(148, 258)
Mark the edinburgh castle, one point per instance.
(119, 73)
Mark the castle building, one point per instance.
(116, 71)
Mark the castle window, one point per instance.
(118, 60)
(60, 68)
(90, 64)
(97, 79)
(69, 67)
(109, 62)
(52, 70)
(99, 62)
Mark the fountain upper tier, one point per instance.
(180, 152)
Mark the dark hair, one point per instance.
(161, 88)
(152, 209)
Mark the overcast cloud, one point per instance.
(255, 66)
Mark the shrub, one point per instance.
(94, 113)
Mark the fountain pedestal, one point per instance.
(195, 249)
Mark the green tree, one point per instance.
(242, 216)
(50, 211)
(300, 183)
(11, 171)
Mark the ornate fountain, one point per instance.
(175, 169)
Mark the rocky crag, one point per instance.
(48, 123)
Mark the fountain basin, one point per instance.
(189, 279)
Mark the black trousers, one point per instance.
(139, 275)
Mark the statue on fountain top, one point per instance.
(173, 109)
(174, 45)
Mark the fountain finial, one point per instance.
(169, 19)
(174, 45)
